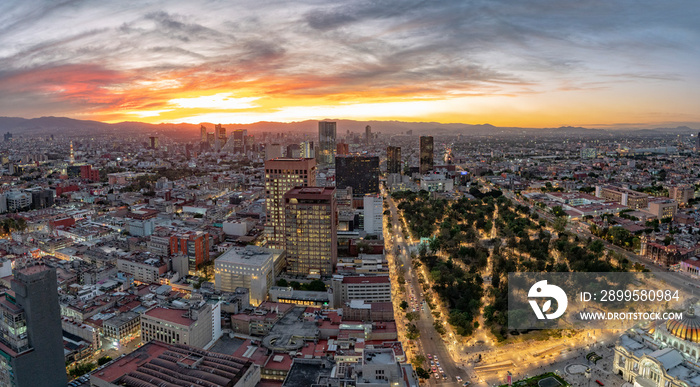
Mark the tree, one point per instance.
(558, 211)
(412, 331)
(423, 374)
(418, 361)
(560, 224)
(403, 305)
(103, 360)
(316, 286)
(282, 282)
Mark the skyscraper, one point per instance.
(71, 155)
(697, 142)
(220, 132)
(203, 134)
(426, 154)
(239, 141)
(307, 150)
(32, 338)
(393, 159)
(368, 134)
(359, 172)
(326, 143)
(281, 175)
(311, 226)
(153, 142)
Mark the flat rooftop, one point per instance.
(176, 316)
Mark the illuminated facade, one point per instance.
(281, 175)
(31, 337)
(311, 226)
(326, 143)
(393, 159)
(426, 154)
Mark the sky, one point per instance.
(527, 63)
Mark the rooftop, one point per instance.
(176, 316)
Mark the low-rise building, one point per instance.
(171, 364)
(191, 326)
(249, 267)
(122, 328)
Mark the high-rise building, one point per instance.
(359, 172)
(239, 141)
(31, 343)
(203, 133)
(697, 142)
(273, 151)
(220, 132)
(326, 143)
(426, 154)
(307, 150)
(368, 134)
(71, 155)
(281, 175)
(153, 142)
(310, 230)
(373, 215)
(393, 159)
(342, 149)
(192, 244)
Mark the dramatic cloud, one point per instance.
(494, 61)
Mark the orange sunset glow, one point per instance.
(531, 65)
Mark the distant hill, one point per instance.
(63, 125)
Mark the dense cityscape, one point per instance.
(349, 193)
(342, 257)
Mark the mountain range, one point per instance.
(63, 125)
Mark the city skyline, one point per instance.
(529, 64)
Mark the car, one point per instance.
(430, 356)
(432, 363)
(599, 382)
(466, 384)
(444, 376)
(459, 378)
(434, 370)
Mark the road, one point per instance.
(429, 342)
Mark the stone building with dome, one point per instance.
(666, 355)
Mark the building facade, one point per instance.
(251, 267)
(326, 143)
(393, 159)
(311, 231)
(626, 197)
(359, 172)
(425, 154)
(373, 215)
(31, 336)
(281, 175)
(191, 326)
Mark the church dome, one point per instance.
(687, 328)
